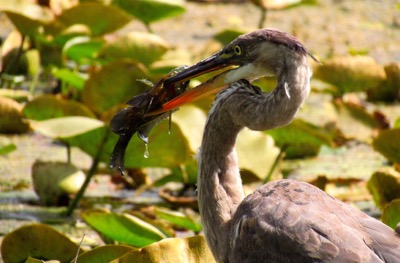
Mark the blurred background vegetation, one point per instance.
(68, 66)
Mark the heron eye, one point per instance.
(238, 50)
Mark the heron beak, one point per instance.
(213, 85)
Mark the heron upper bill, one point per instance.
(213, 85)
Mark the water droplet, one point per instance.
(146, 151)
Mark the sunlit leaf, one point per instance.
(66, 126)
(143, 47)
(149, 11)
(115, 83)
(11, 119)
(105, 253)
(100, 18)
(388, 144)
(6, 149)
(37, 241)
(300, 139)
(227, 35)
(53, 180)
(124, 228)
(354, 121)
(45, 107)
(172, 59)
(391, 213)
(350, 74)
(73, 78)
(179, 219)
(384, 185)
(178, 250)
(82, 48)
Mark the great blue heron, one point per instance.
(282, 221)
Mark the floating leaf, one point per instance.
(11, 120)
(179, 219)
(82, 49)
(104, 253)
(388, 144)
(45, 107)
(6, 149)
(115, 83)
(354, 121)
(178, 250)
(66, 126)
(124, 228)
(172, 59)
(350, 74)
(37, 241)
(300, 139)
(391, 214)
(73, 78)
(227, 35)
(389, 89)
(384, 186)
(100, 18)
(149, 11)
(143, 47)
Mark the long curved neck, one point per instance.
(241, 105)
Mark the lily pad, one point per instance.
(227, 35)
(66, 127)
(179, 219)
(389, 89)
(300, 139)
(388, 144)
(11, 119)
(384, 186)
(37, 241)
(391, 214)
(149, 11)
(92, 14)
(144, 47)
(53, 181)
(105, 253)
(45, 107)
(178, 250)
(114, 84)
(69, 77)
(82, 49)
(124, 228)
(8, 148)
(351, 73)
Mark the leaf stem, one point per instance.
(89, 175)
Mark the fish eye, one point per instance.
(238, 50)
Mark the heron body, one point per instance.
(286, 220)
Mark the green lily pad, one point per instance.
(72, 78)
(143, 47)
(124, 228)
(66, 127)
(388, 144)
(179, 219)
(227, 35)
(52, 181)
(300, 139)
(149, 11)
(99, 18)
(115, 83)
(8, 148)
(45, 107)
(11, 119)
(384, 185)
(37, 241)
(105, 253)
(391, 214)
(350, 74)
(178, 250)
(82, 49)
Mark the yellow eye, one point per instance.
(238, 50)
